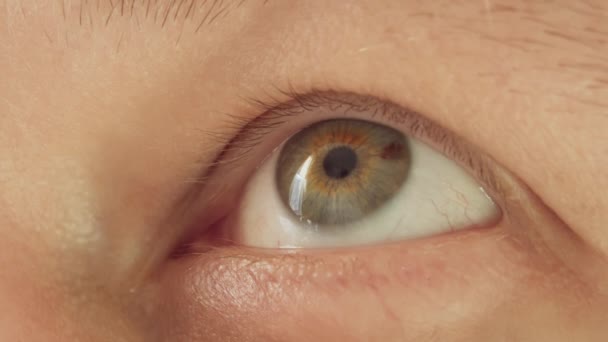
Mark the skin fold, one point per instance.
(105, 114)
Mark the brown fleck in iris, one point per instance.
(392, 150)
(338, 171)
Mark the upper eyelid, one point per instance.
(250, 132)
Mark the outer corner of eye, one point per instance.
(350, 182)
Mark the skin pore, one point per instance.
(105, 113)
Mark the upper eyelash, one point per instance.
(275, 112)
(286, 103)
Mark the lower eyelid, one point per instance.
(351, 266)
(426, 274)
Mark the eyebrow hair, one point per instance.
(197, 13)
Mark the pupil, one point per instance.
(340, 162)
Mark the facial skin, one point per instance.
(103, 112)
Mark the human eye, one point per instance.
(343, 170)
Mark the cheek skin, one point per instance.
(447, 288)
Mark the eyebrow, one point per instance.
(197, 13)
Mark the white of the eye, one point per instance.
(438, 196)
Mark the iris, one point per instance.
(336, 172)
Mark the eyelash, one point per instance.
(276, 112)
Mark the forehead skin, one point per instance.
(90, 87)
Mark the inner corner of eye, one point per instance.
(346, 182)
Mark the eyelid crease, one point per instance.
(275, 113)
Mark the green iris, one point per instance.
(338, 171)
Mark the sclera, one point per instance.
(438, 196)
